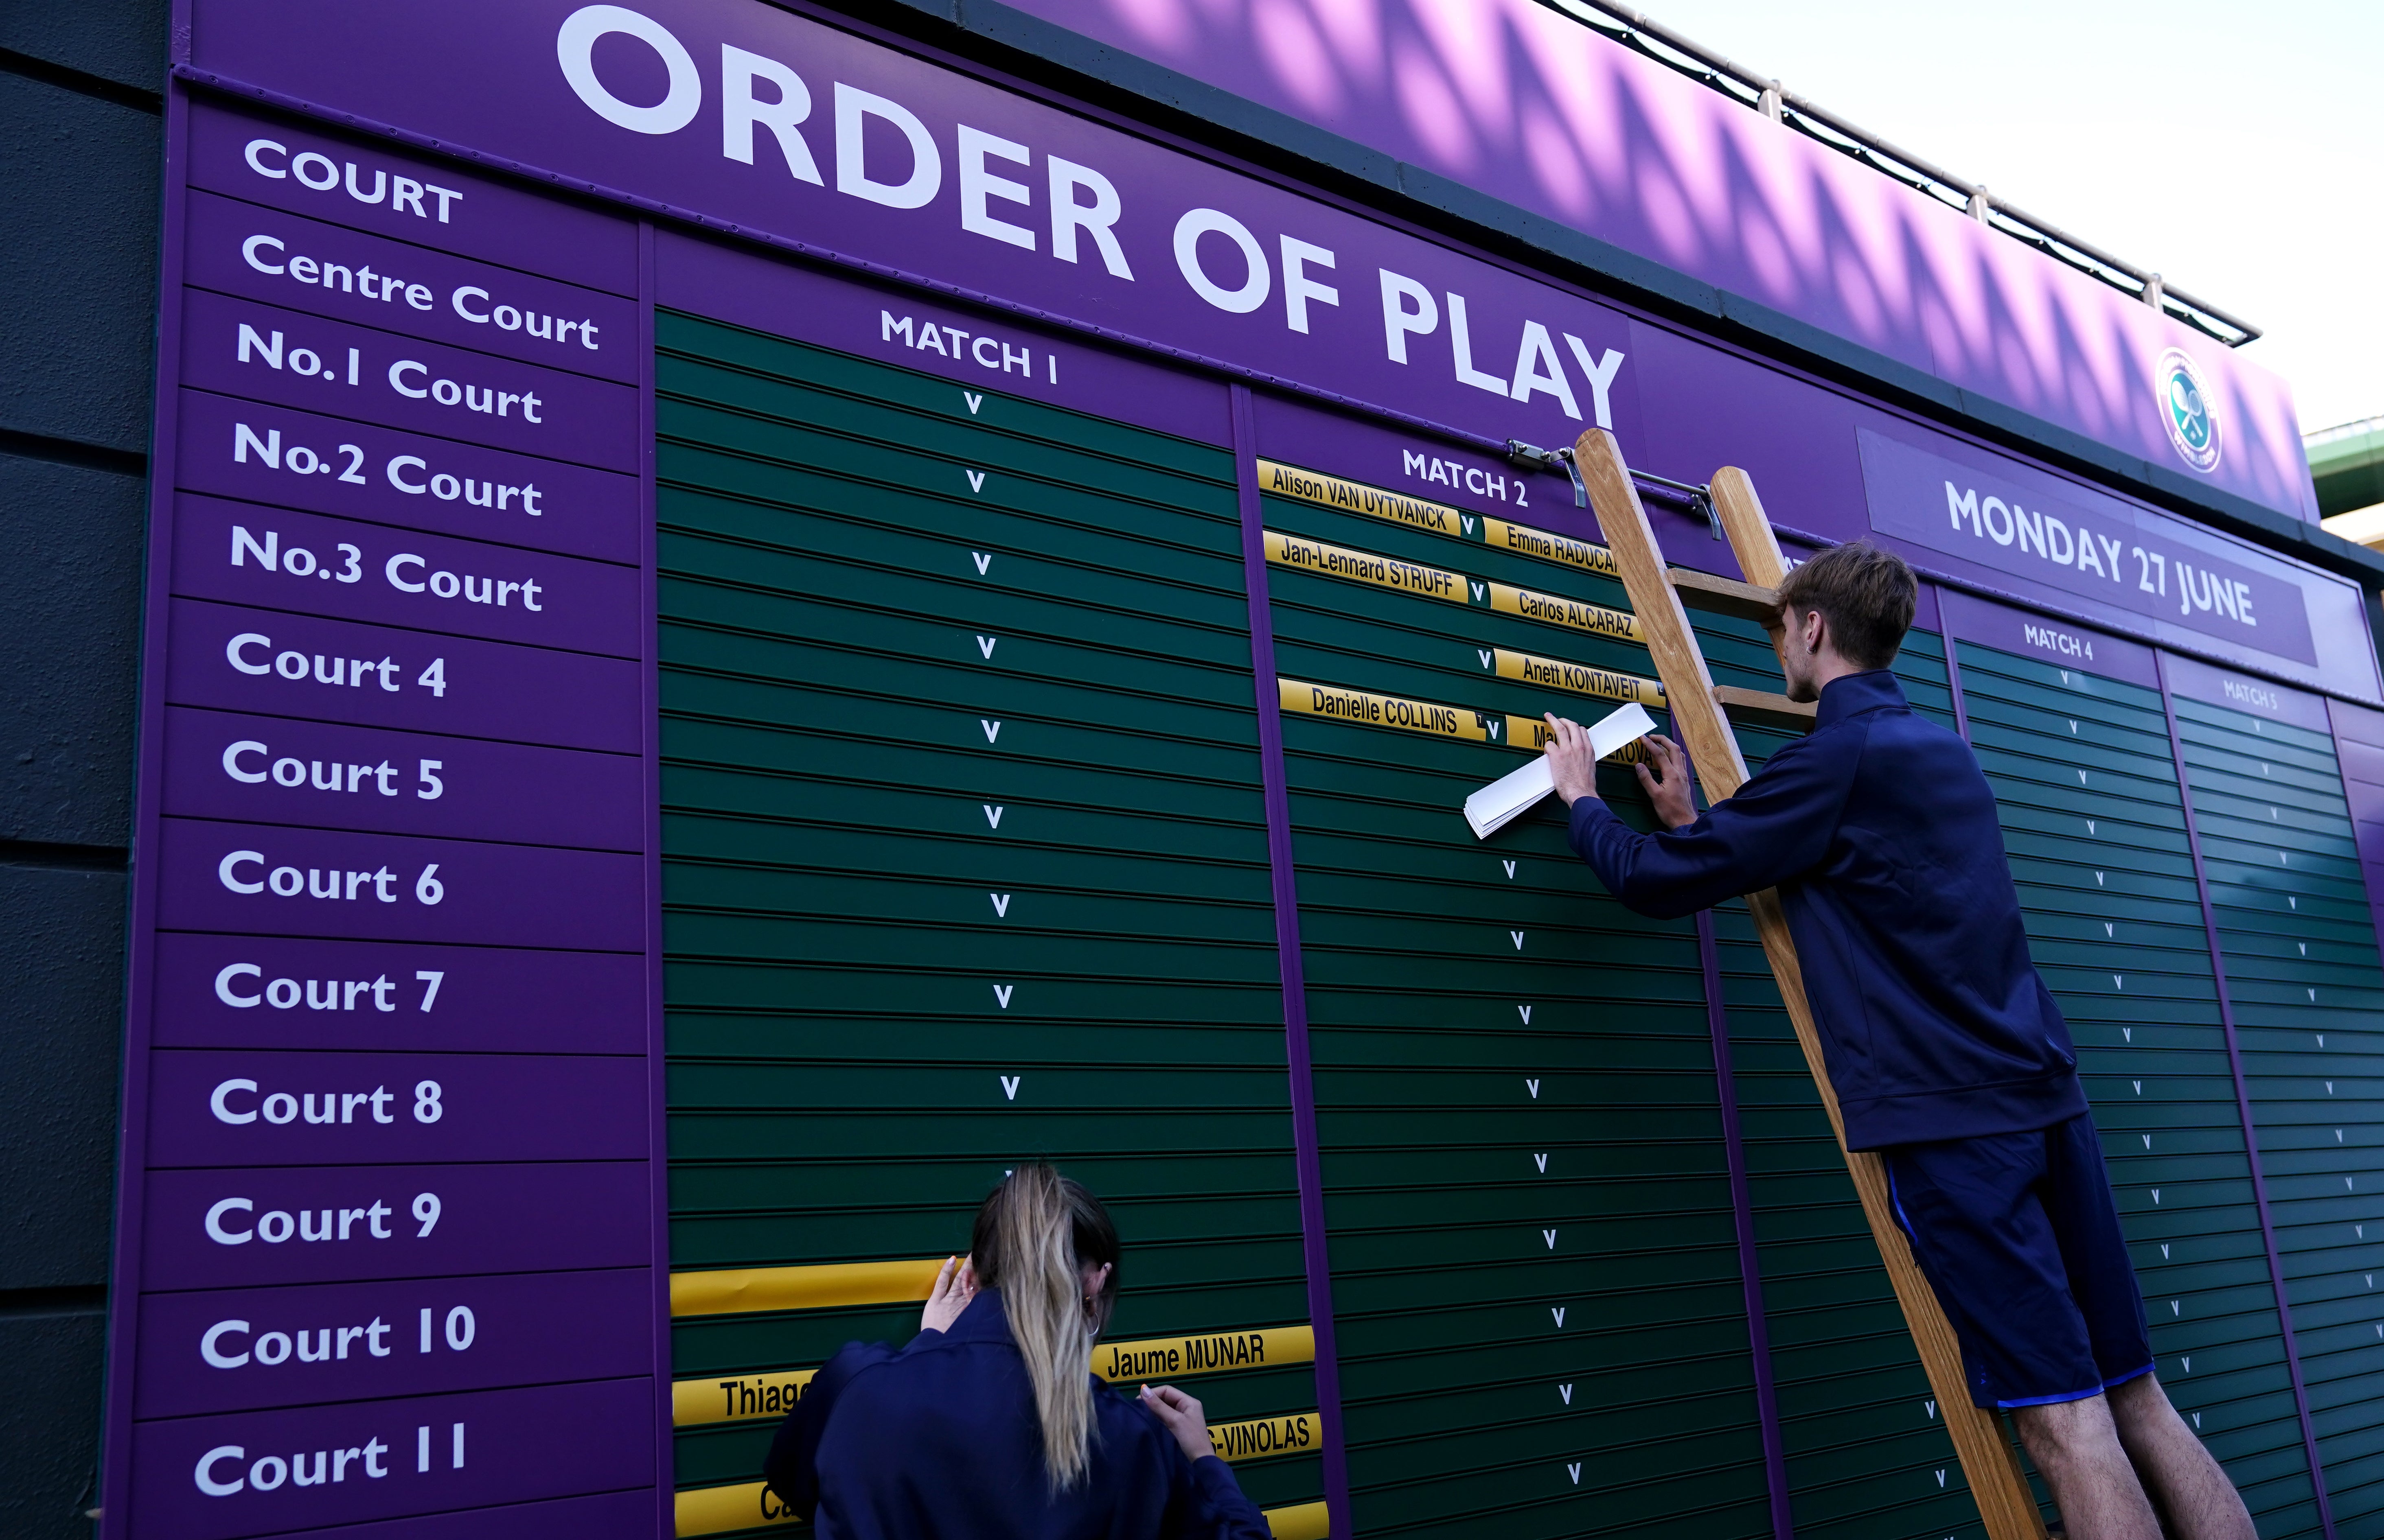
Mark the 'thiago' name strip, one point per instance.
(772, 1393)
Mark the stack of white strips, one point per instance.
(1510, 797)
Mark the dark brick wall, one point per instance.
(81, 145)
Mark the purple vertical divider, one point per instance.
(1305, 1155)
(658, 1143)
(1954, 675)
(2243, 1108)
(1742, 1212)
(114, 1488)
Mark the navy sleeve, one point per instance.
(1214, 1507)
(792, 1468)
(1778, 826)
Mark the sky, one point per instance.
(2237, 151)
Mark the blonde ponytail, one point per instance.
(1033, 1238)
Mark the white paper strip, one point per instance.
(1512, 794)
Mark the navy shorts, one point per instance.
(2019, 1236)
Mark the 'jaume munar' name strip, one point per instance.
(774, 1392)
(1554, 673)
(1208, 1353)
(1377, 502)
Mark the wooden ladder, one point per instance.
(1701, 712)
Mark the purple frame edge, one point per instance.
(1307, 1158)
(657, 1078)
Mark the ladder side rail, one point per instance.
(1990, 1465)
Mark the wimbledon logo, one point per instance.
(2187, 410)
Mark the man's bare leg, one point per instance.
(2184, 1482)
(2077, 1449)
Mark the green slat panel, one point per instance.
(922, 738)
(2141, 1003)
(1525, 1191)
(2303, 977)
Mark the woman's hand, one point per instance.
(955, 1286)
(1182, 1416)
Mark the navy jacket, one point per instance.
(1880, 832)
(939, 1441)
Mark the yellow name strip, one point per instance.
(772, 1393)
(738, 1397)
(1304, 555)
(750, 1505)
(1533, 732)
(1372, 710)
(1554, 610)
(1266, 1435)
(1353, 497)
(741, 1291)
(1307, 1522)
(1554, 673)
(1159, 1358)
(1376, 502)
(1549, 545)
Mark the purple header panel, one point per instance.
(1526, 103)
(1999, 523)
(387, 1254)
(2030, 635)
(1843, 468)
(912, 169)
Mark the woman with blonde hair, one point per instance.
(990, 1425)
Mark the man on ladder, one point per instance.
(1947, 1052)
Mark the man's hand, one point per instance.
(1181, 1415)
(1571, 765)
(1670, 795)
(955, 1286)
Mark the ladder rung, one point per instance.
(1725, 595)
(1764, 707)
